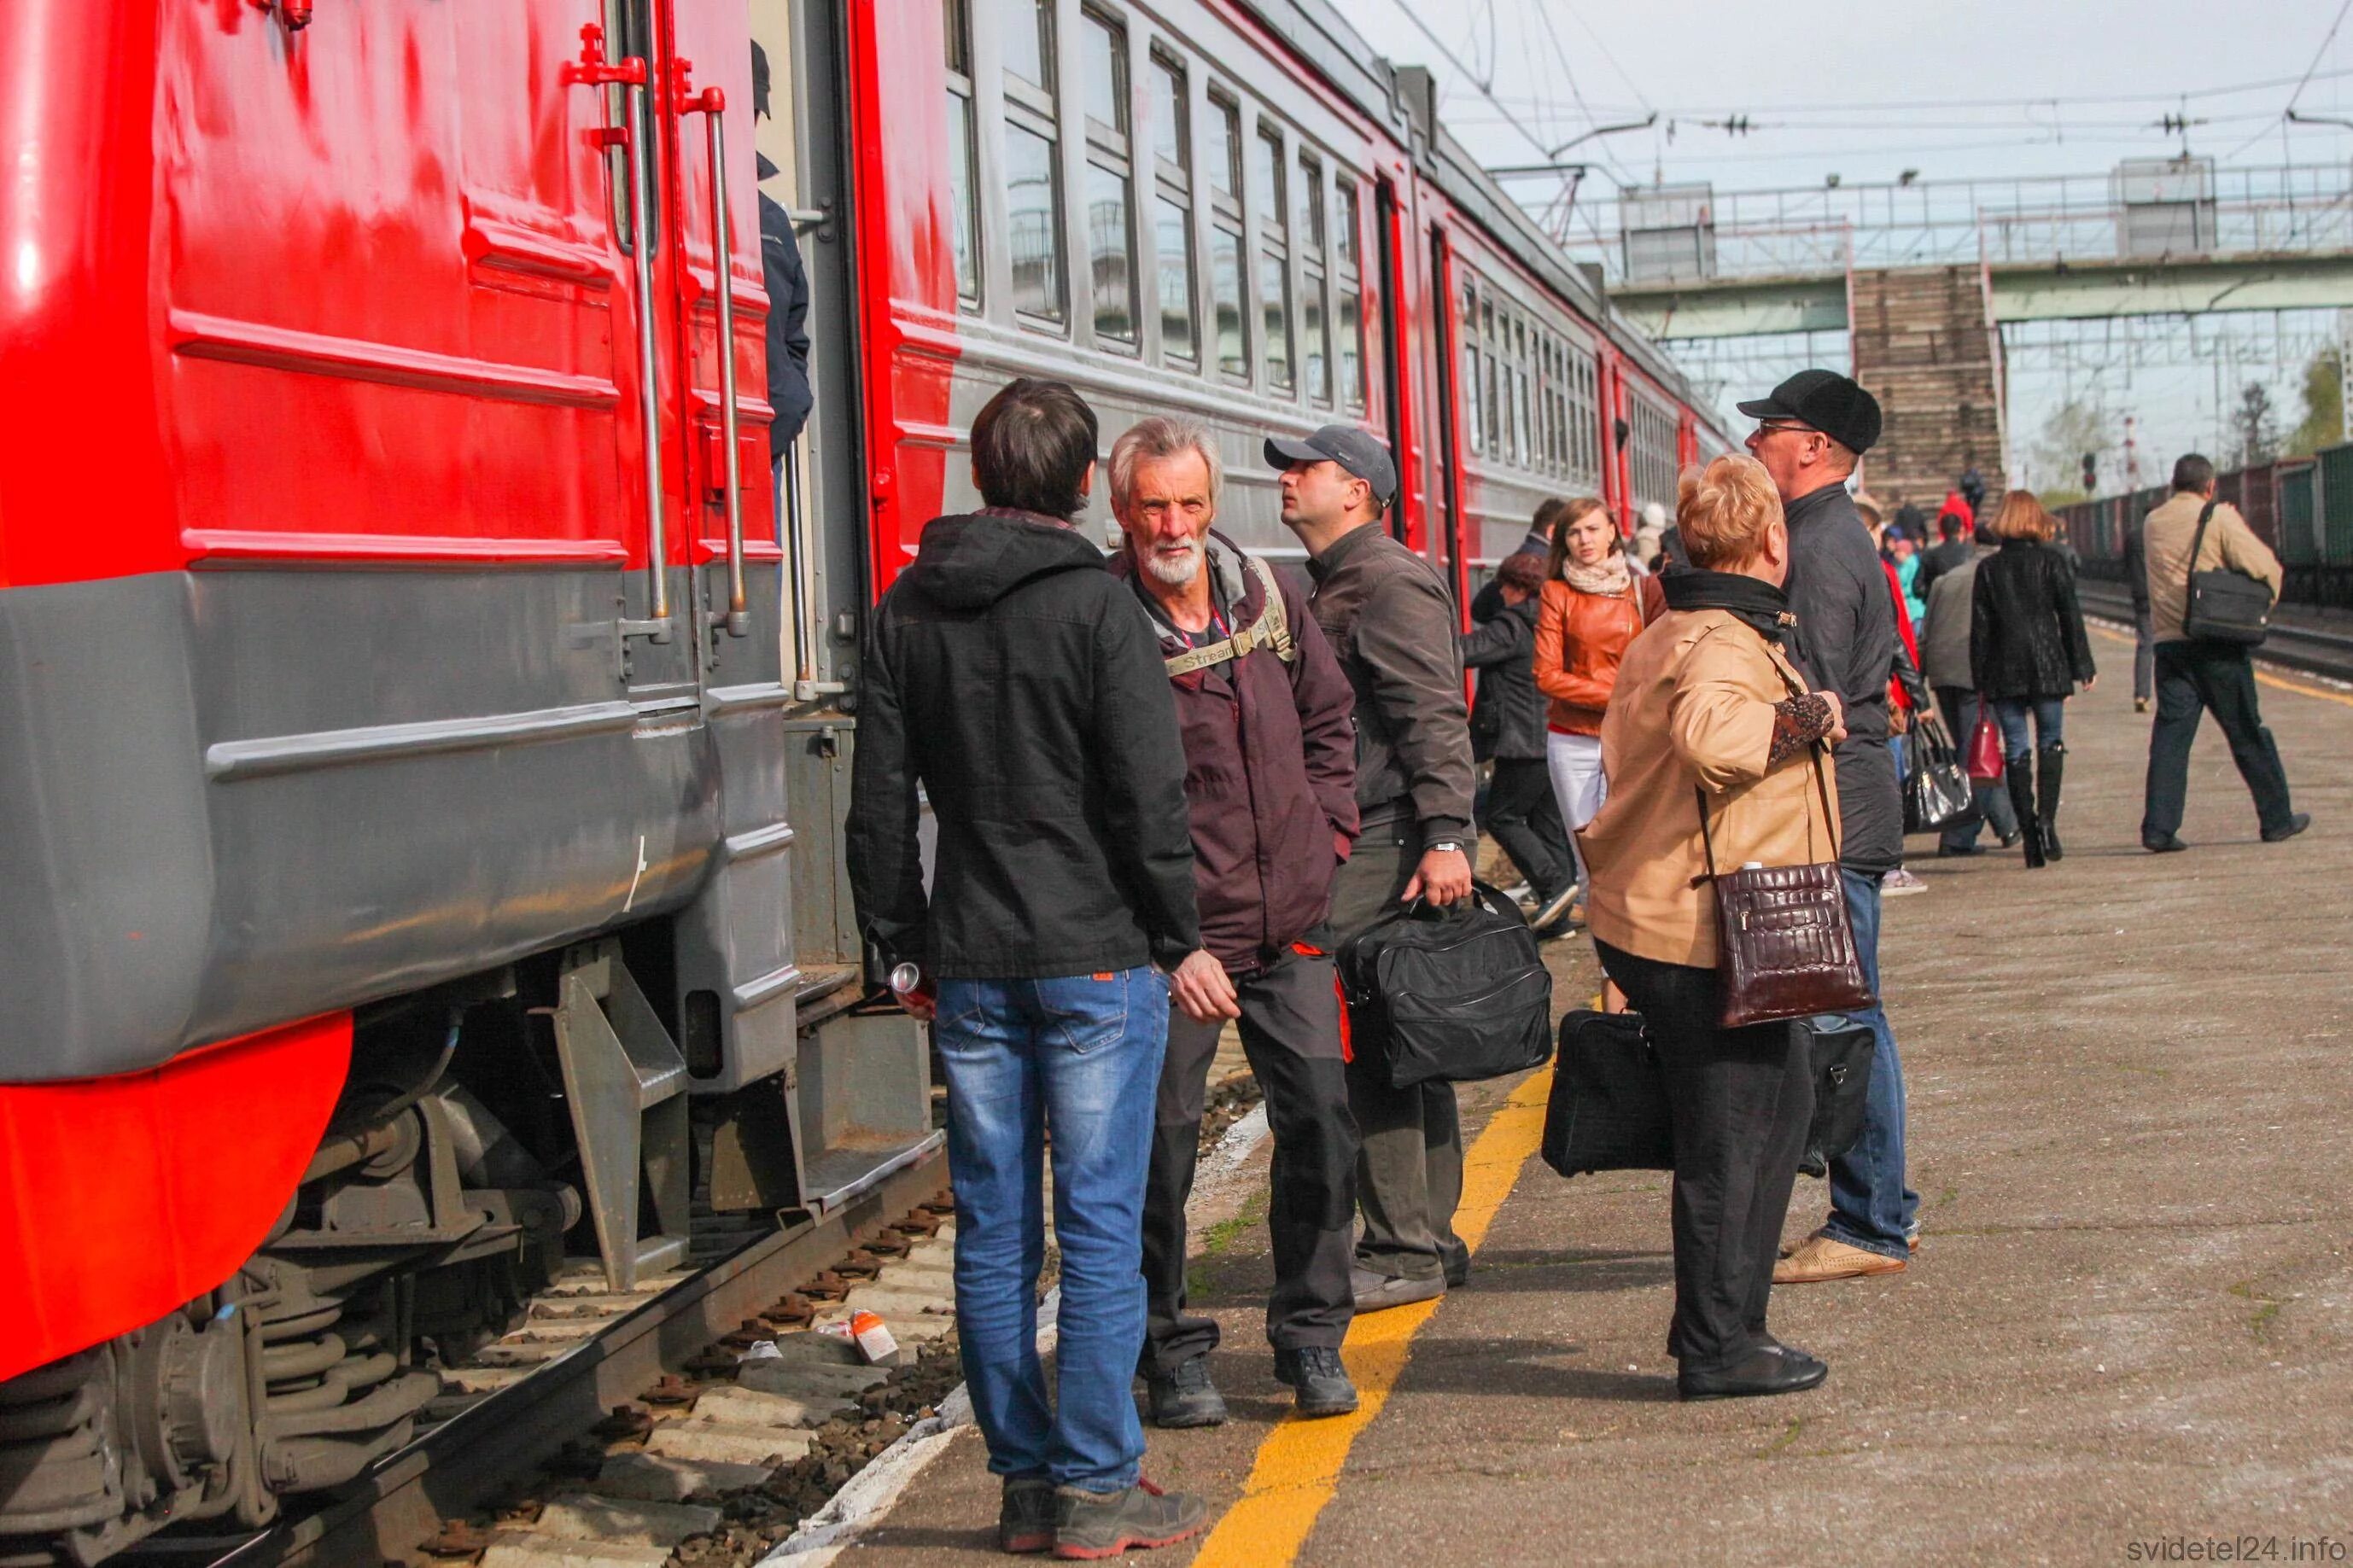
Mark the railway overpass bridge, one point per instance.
(1923, 275)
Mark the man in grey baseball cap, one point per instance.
(1389, 616)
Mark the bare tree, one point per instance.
(2255, 426)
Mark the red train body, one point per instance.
(438, 686)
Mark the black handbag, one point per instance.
(2224, 606)
(1842, 1055)
(1449, 995)
(1608, 1110)
(1936, 788)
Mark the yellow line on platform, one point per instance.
(2267, 677)
(1298, 1467)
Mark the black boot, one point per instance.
(2050, 774)
(2021, 800)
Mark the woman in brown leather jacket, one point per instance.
(1593, 605)
(1708, 703)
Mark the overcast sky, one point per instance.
(1999, 89)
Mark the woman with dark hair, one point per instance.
(1592, 606)
(2027, 652)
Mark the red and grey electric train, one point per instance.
(427, 738)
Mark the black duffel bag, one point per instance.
(2224, 606)
(1608, 1110)
(1452, 994)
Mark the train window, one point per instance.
(1315, 292)
(1111, 247)
(1172, 222)
(1274, 309)
(1474, 424)
(1169, 142)
(1225, 146)
(1493, 445)
(1347, 282)
(1266, 175)
(965, 238)
(1033, 204)
(1526, 451)
(1026, 36)
(1225, 296)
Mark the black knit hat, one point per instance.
(1826, 401)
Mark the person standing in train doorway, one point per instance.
(1271, 776)
(1810, 432)
(786, 284)
(1010, 677)
(1392, 623)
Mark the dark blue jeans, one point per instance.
(1871, 1206)
(2050, 724)
(1080, 1055)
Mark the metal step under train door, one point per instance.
(625, 1083)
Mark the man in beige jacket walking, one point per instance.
(2194, 674)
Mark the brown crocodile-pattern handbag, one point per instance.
(1784, 946)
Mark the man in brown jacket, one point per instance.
(2193, 675)
(1393, 625)
(1270, 783)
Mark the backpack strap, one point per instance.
(1271, 631)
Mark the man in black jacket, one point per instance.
(786, 283)
(1392, 624)
(1507, 724)
(1021, 686)
(1809, 434)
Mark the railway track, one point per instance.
(612, 1396)
(2305, 648)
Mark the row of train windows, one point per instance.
(1651, 453)
(1530, 397)
(1298, 254)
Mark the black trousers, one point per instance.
(1740, 1100)
(2192, 677)
(1523, 815)
(1290, 1031)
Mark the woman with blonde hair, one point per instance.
(1593, 605)
(1709, 707)
(2027, 651)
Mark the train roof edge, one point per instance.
(1317, 34)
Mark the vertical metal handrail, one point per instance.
(649, 393)
(713, 103)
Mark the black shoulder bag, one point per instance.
(2225, 606)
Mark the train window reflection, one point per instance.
(1266, 175)
(1103, 51)
(1170, 143)
(1033, 213)
(1274, 304)
(1225, 146)
(1173, 253)
(1025, 38)
(1226, 295)
(1352, 351)
(1316, 342)
(1348, 220)
(1110, 256)
(964, 238)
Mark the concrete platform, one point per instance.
(2130, 1322)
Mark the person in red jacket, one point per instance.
(1266, 716)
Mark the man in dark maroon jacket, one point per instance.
(1270, 781)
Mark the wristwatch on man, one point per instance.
(1447, 846)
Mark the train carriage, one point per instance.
(433, 713)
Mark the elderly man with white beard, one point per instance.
(1269, 779)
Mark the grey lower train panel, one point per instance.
(241, 797)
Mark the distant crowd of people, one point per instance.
(1167, 784)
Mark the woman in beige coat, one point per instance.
(1708, 703)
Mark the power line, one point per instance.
(2306, 79)
(2044, 100)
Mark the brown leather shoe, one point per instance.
(1818, 1259)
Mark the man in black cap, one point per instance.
(1389, 618)
(1809, 434)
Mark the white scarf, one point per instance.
(1607, 576)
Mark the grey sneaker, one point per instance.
(1088, 1525)
(1186, 1397)
(1379, 1292)
(1314, 1370)
(1551, 917)
(1025, 1515)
